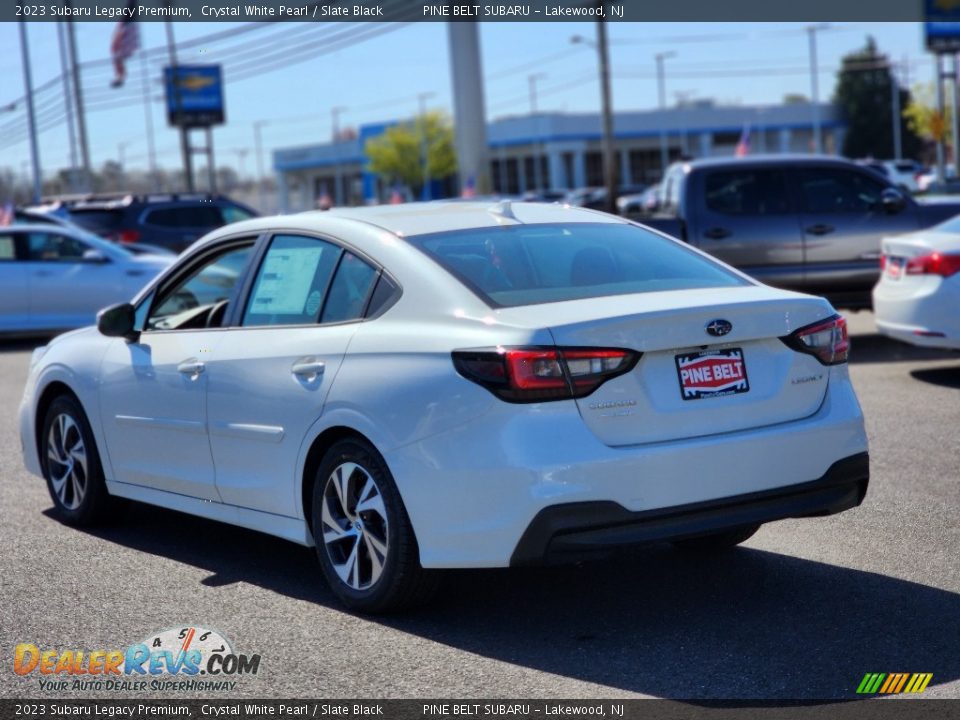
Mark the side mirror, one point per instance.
(94, 256)
(118, 321)
(892, 201)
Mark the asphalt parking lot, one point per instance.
(803, 610)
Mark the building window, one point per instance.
(594, 168)
(569, 174)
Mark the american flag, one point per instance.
(125, 42)
(6, 214)
(743, 146)
(469, 188)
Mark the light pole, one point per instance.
(606, 109)
(422, 98)
(815, 84)
(335, 113)
(122, 161)
(532, 79)
(662, 104)
(258, 150)
(31, 115)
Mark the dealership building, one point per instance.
(563, 150)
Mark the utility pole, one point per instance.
(941, 154)
(31, 117)
(662, 104)
(427, 192)
(148, 119)
(954, 76)
(258, 149)
(469, 115)
(178, 108)
(609, 168)
(895, 111)
(538, 155)
(68, 102)
(815, 84)
(338, 180)
(78, 102)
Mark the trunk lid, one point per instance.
(689, 383)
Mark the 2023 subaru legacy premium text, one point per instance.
(452, 385)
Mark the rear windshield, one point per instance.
(531, 264)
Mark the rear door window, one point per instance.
(98, 221)
(747, 192)
(292, 281)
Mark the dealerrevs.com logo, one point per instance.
(179, 659)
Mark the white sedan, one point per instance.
(453, 385)
(917, 299)
(55, 277)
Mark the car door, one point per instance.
(66, 288)
(14, 298)
(270, 376)
(153, 391)
(746, 219)
(843, 221)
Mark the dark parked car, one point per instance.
(172, 221)
(802, 222)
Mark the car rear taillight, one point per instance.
(128, 236)
(935, 263)
(543, 373)
(883, 263)
(826, 340)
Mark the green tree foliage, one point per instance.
(863, 95)
(922, 116)
(395, 155)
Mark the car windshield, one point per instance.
(531, 264)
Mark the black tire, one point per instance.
(81, 497)
(401, 582)
(717, 541)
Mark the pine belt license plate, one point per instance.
(712, 373)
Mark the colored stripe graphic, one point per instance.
(893, 683)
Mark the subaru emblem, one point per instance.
(719, 328)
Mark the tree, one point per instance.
(864, 98)
(395, 155)
(922, 116)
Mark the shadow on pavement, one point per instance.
(744, 624)
(22, 344)
(948, 377)
(877, 348)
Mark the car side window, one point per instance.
(52, 247)
(826, 191)
(199, 299)
(350, 290)
(233, 213)
(747, 192)
(183, 217)
(292, 281)
(8, 248)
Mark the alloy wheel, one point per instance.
(354, 526)
(67, 461)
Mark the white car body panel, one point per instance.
(910, 308)
(473, 470)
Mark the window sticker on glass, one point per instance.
(285, 281)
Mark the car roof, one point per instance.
(769, 159)
(421, 218)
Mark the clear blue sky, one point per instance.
(379, 78)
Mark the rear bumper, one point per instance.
(573, 530)
(919, 311)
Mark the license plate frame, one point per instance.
(697, 373)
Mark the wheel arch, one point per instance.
(318, 448)
(51, 392)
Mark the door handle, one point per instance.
(308, 368)
(820, 229)
(717, 233)
(192, 367)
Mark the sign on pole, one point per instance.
(942, 26)
(197, 98)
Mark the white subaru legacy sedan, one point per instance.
(452, 385)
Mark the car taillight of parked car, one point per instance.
(826, 340)
(943, 264)
(539, 374)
